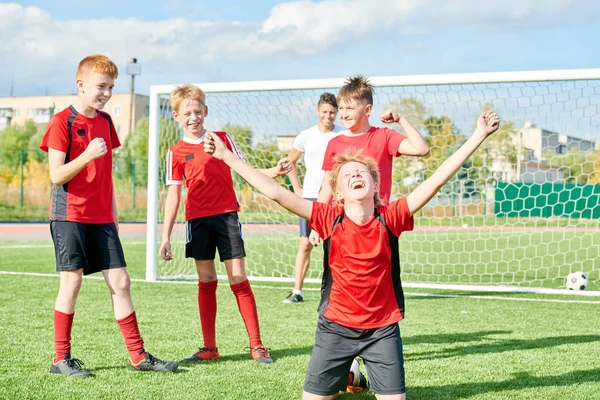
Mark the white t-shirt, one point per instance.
(313, 143)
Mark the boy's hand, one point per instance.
(314, 238)
(390, 116)
(488, 123)
(283, 166)
(165, 251)
(214, 145)
(95, 149)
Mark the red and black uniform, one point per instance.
(211, 204)
(212, 223)
(81, 215)
(88, 196)
(361, 298)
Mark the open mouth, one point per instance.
(357, 185)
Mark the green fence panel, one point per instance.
(545, 200)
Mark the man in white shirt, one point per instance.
(312, 143)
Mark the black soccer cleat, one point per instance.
(151, 363)
(70, 367)
(294, 298)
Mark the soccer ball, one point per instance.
(577, 281)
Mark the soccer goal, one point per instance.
(522, 214)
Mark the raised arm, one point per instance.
(415, 144)
(296, 204)
(487, 123)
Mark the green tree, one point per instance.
(135, 150)
(576, 166)
(442, 139)
(33, 148)
(412, 108)
(263, 154)
(12, 139)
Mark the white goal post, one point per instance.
(520, 216)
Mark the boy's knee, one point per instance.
(120, 281)
(70, 282)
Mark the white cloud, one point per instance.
(41, 45)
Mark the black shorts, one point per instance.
(93, 247)
(304, 229)
(335, 348)
(222, 231)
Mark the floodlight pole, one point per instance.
(133, 68)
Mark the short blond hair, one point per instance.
(97, 63)
(357, 88)
(354, 155)
(186, 92)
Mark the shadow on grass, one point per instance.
(275, 354)
(452, 337)
(520, 381)
(496, 346)
(179, 370)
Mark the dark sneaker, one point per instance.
(70, 367)
(261, 355)
(294, 298)
(203, 354)
(357, 382)
(151, 363)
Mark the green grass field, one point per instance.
(457, 345)
(526, 258)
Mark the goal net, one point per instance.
(522, 213)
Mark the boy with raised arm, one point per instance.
(355, 102)
(211, 213)
(83, 215)
(359, 309)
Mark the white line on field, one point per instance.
(30, 246)
(415, 294)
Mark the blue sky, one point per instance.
(178, 41)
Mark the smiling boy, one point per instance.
(355, 102)
(83, 215)
(360, 308)
(212, 222)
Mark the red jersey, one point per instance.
(207, 179)
(381, 144)
(88, 196)
(360, 287)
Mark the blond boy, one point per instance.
(212, 222)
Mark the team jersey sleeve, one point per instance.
(56, 136)
(397, 217)
(300, 141)
(322, 217)
(330, 152)
(230, 143)
(174, 169)
(393, 140)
